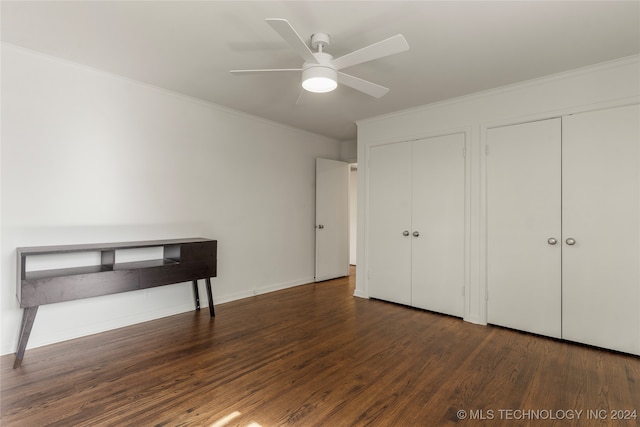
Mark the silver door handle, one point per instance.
(416, 234)
(320, 226)
(551, 241)
(570, 241)
(405, 233)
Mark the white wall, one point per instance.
(601, 86)
(349, 151)
(91, 157)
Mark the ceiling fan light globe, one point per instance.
(319, 79)
(319, 84)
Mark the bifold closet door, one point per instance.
(601, 216)
(416, 223)
(438, 191)
(389, 246)
(524, 227)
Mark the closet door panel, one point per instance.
(438, 217)
(389, 266)
(601, 212)
(523, 214)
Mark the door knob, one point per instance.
(416, 234)
(405, 233)
(552, 241)
(570, 241)
(320, 226)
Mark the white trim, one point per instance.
(621, 62)
(567, 111)
(359, 294)
(264, 290)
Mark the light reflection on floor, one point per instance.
(228, 418)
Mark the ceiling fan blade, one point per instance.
(302, 98)
(266, 70)
(395, 44)
(365, 86)
(286, 31)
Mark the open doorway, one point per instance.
(353, 211)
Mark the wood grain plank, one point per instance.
(313, 355)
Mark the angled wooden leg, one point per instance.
(196, 294)
(210, 296)
(28, 317)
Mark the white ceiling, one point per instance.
(457, 48)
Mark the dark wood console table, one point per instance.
(183, 260)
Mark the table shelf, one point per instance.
(183, 260)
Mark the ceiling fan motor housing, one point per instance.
(320, 77)
(320, 40)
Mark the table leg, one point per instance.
(210, 296)
(196, 294)
(28, 317)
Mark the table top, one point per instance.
(33, 250)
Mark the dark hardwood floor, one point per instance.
(314, 355)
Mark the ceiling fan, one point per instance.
(320, 72)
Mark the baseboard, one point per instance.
(108, 325)
(263, 290)
(359, 294)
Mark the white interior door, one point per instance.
(523, 215)
(389, 246)
(601, 213)
(332, 219)
(438, 220)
